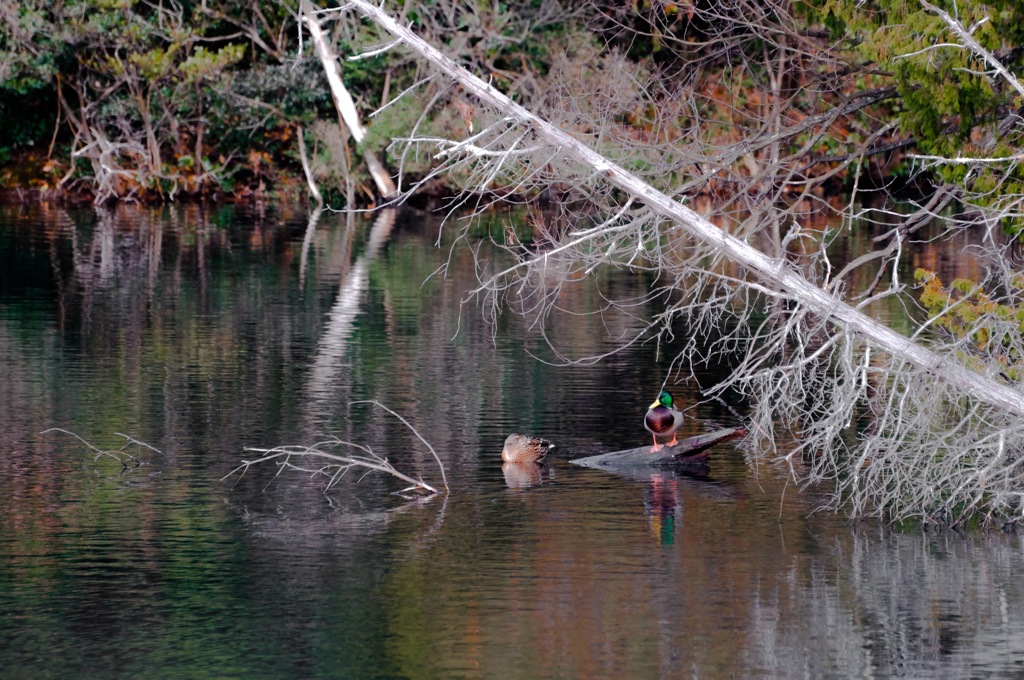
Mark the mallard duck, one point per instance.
(520, 448)
(662, 420)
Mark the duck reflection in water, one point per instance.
(664, 507)
(523, 475)
(523, 456)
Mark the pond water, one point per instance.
(202, 330)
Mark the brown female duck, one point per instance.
(520, 448)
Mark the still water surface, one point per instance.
(202, 330)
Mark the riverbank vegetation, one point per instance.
(742, 102)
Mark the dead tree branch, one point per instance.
(122, 456)
(331, 465)
(440, 465)
(776, 272)
(343, 101)
(968, 41)
(319, 462)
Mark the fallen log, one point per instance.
(690, 452)
(343, 102)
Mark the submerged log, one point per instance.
(693, 451)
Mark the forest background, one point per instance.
(162, 99)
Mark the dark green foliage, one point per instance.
(178, 88)
(149, 78)
(951, 102)
(944, 92)
(28, 100)
(186, 84)
(26, 120)
(292, 93)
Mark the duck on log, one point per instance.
(693, 451)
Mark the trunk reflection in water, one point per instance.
(201, 330)
(329, 363)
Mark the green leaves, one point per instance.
(966, 309)
(947, 89)
(203, 63)
(953, 102)
(156, 63)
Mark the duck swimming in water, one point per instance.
(662, 420)
(520, 448)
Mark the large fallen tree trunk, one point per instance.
(777, 272)
(344, 103)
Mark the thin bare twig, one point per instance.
(336, 466)
(120, 455)
(440, 465)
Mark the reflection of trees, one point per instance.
(749, 588)
(198, 340)
(183, 313)
(152, 311)
(892, 604)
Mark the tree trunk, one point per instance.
(343, 102)
(152, 145)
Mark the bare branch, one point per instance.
(440, 465)
(777, 271)
(974, 46)
(335, 467)
(120, 455)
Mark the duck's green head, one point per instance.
(664, 399)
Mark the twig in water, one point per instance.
(332, 465)
(120, 455)
(440, 465)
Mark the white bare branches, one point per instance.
(320, 461)
(967, 160)
(440, 465)
(921, 427)
(967, 38)
(776, 271)
(121, 455)
(314, 191)
(343, 101)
